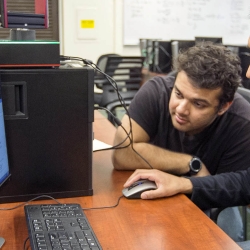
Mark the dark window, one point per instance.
(28, 6)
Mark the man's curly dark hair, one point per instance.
(211, 66)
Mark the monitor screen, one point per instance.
(181, 45)
(4, 164)
(216, 40)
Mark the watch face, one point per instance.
(196, 165)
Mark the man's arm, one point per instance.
(158, 158)
(222, 190)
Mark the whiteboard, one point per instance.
(186, 19)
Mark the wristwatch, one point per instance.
(195, 165)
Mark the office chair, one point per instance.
(101, 63)
(127, 72)
(244, 92)
(99, 79)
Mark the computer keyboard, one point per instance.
(59, 227)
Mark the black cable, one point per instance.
(132, 146)
(130, 131)
(24, 244)
(105, 207)
(127, 137)
(36, 198)
(110, 79)
(118, 122)
(47, 196)
(120, 98)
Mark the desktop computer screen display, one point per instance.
(183, 44)
(4, 164)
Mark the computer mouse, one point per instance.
(134, 191)
(2, 240)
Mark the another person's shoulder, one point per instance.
(240, 107)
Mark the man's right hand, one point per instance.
(167, 184)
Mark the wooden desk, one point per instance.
(170, 223)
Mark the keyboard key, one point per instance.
(42, 248)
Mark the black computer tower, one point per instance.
(48, 121)
(162, 57)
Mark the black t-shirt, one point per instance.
(223, 146)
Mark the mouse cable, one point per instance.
(114, 84)
(95, 208)
(24, 244)
(26, 202)
(47, 196)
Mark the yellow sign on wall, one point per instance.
(87, 24)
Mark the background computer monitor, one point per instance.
(216, 40)
(180, 45)
(161, 57)
(147, 51)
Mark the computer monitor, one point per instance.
(4, 163)
(180, 45)
(216, 40)
(185, 44)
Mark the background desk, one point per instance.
(171, 223)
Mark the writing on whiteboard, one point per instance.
(184, 20)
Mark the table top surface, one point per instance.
(168, 223)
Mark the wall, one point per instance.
(108, 32)
(90, 43)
